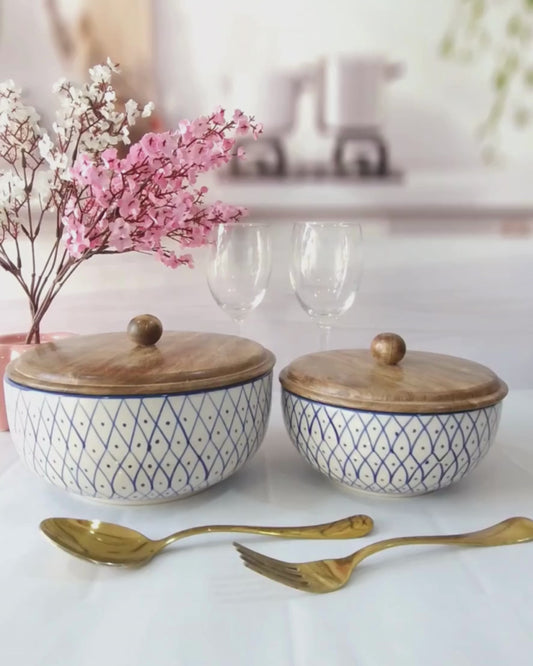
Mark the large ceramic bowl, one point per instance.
(137, 419)
(376, 423)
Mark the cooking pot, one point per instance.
(270, 96)
(351, 90)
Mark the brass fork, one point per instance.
(330, 575)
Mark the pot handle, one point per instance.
(145, 330)
(388, 348)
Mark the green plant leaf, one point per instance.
(500, 80)
(514, 26)
(504, 43)
(478, 9)
(447, 45)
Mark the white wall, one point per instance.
(27, 54)
(432, 111)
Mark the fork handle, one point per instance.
(345, 528)
(508, 532)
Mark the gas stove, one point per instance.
(357, 155)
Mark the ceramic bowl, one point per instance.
(386, 453)
(124, 444)
(404, 441)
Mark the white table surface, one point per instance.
(196, 604)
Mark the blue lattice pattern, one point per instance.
(393, 454)
(139, 449)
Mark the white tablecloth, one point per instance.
(196, 604)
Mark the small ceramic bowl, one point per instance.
(377, 424)
(135, 420)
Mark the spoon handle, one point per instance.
(345, 528)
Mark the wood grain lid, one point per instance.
(388, 379)
(143, 361)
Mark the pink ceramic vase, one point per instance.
(12, 346)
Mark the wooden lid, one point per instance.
(387, 379)
(143, 361)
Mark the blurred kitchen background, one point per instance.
(191, 55)
(344, 86)
(372, 111)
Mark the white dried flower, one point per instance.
(100, 74)
(43, 184)
(56, 159)
(112, 66)
(87, 121)
(11, 187)
(148, 109)
(21, 121)
(45, 145)
(61, 85)
(132, 111)
(8, 88)
(12, 194)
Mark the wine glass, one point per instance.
(325, 268)
(239, 266)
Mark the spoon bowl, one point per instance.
(100, 542)
(108, 543)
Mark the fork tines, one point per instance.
(281, 572)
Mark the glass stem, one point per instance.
(325, 331)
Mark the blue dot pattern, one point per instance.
(392, 454)
(138, 449)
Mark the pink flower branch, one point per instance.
(103, 203)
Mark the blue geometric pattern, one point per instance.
(392, 454)
(138, 449)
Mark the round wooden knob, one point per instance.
(145, 330)
(388, 348)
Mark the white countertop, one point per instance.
(471, 193)
(196, 604)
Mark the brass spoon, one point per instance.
(332, 574)
(107, 543)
